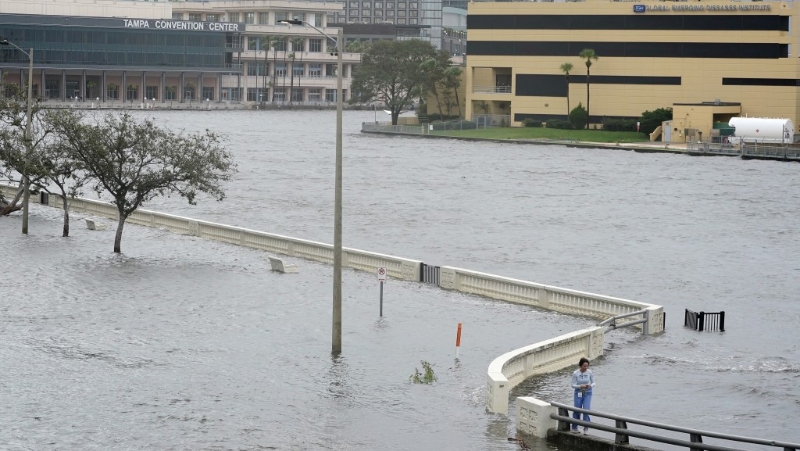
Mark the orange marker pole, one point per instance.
(458, 339)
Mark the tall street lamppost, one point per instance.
(26, 194)
(336, 347)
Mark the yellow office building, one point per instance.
(709, 60)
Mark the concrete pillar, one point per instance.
(655, 320)
(498, 388)
(162, 88)
(43, 84)
(144, 89)
(533, 417)
(21, 79)
(219, 88)
(103, 89)
(124, 88)
(181, 88)
(83, 86)
(200, 88)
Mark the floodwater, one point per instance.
(182, 343)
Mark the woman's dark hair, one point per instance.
(582, 361)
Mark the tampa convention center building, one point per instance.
(176, 52)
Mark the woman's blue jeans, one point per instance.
(583, 402)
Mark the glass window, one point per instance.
(298, 16)
(281, 15)
(330, 95)
(172, 93)
(112, 90)
(366, 5)
(314, 94)
(280, 69)
(281, 45)
(195, 17)
(279, 95)
(151, 92)
(353, 12)
(354, 4)
(212, 17)
(249, 18)
(330, 70)
(315, 70)
(412, 21)
(256, 68)
(298, 45)
(298, 69)
(378, 5)
(379, 13)
(208, 93)
(401, 21)
(413, 5)
(297, 95)
(390, 5)
(315, 45)
(263, 18)
(331, 19)
(132, 93)
(366, 12)
(318, 19)
(254, 43)
(177, 16)
(413, 13)
(256, 95)
(401, 5)
(390, 13)
(234, 17)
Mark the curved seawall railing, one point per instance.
(507, 370)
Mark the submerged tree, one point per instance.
(135, 162)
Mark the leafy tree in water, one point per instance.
(652, 119)
(18, 155)
(390, 73)
(135, 162)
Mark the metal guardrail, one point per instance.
(623, 434)
(704, 321)
(492, 89)
(612, 322)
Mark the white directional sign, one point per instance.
(381, 274)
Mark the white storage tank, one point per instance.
(759, 129)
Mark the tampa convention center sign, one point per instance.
(181, 25)
(699, 8)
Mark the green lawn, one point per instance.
(547, 133)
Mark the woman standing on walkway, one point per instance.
(582, 383)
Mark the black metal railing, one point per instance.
(704, 321)
(622, 434)
(429, 274)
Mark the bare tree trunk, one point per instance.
(6, 209)
(66, 217)
(118, 237)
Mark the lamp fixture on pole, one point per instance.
(26, 182)
(336, 341)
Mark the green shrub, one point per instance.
(652, 119)
(559, 124)
(578, 117)
(427, 378)
(619, 125)
(530, 122)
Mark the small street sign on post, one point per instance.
(382, 278)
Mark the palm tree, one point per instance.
(291, 78)
(566, 67)
(266, 43)
(297, 45)
(588, 55)
(452, 80)
(434, 72)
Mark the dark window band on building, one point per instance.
(761, 82)
(544, 85)
(519, 117)
(629, 22)
(632, 49)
